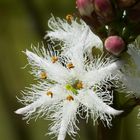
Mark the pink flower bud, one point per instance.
(104, 9)
(114, 45)
(85, 7)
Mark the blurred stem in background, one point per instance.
(9, 101)
(19, 127)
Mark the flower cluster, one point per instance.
(131, 74)
(72, 81)
(112, 18)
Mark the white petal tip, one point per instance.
(46, 36)
(118, 112)
(22, 110)
(115, 112)
(19, 111)
(112, 111)
(27, 52)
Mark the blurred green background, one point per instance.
(23, 22)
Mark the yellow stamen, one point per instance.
(54, 59)
(69, 98)
(79, 85)
(70, 66)
(69, 18)
(43, 75)
(49, 93)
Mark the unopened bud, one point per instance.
(104, 9)
(87, 11)
(85, 7)
(115, 45)
(125, 3)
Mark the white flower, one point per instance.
(131, 74)
(71, 85)
(70, 33)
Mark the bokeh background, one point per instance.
(22, 23)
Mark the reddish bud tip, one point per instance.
(85, 7)
(104, 9)
(114, 45)
(102, 5)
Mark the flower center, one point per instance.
(78, 85)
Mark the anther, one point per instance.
(49, 93)
(69, 98)
(54, 59)
(43, 75)
(79, 85)
(70, 66)
(69, 18)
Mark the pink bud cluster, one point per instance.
(85, 7)
(110, 18)
(102, 8)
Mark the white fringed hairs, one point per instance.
(70, 80)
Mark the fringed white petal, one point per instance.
(55, 71)
(77, 54)
(33, 106)
(98, 75)
(31, 111)
(97, 107)
(71, 34)
(41, 103)
(50, 98)
(132, 83)
(131, 74)
(65, 120)
(135, 54)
